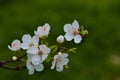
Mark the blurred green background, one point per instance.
(98, 56)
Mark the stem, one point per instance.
(2, 63)
(13, 68)
(62, 47)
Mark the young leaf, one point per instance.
(54, 48)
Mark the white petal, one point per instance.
(26, 38)
(31, 72)
(29, 56)
(16, 41)
(33, 50)
(36, 59)
(77, 39)
(29, 65)
(56, 56)
(67, 27)
(53, 65)
(39, 67)
(24, 46)
(44, 56)
(37, 34)
(69, 36)
(44, 49)
(15, 45)
(9, 47)
(42, 31)
(39, 28)
(35, 40)
(64, 55)
(65, 61)
(75, 24)
(46, 28)
(59, 67)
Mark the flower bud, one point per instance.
(66, 66)
(59, 53)
(60, 39)
(14, 58)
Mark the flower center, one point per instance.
(44, 29)
(59, 60)
(40, 53)
(75, 32)
(31, 63)
(15, 44)
(31, 44)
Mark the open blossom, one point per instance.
(31, 66)
(40, 53)
(42, 30)
(72, 32)
(60, 39)
(15, 46)
(29, 41)
(59, 61)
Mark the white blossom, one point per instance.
(40, 53)
(15, 46)
(31, 66)
(59, 61)
(29, 41)
(42, 30)
(72, 32)
(60, 39)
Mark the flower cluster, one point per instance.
(38, 51)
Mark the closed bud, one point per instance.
(60, 39)
(66, 66)
(14, 58)
(59, 53)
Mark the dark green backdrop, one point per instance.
(98, 56)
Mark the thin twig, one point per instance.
(2, 63)
(14, 68)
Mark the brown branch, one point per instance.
(13, 68)
(62, 47)
(2, 64)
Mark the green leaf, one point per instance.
(48, 58)
(54, 48)
(82, 31)
(72, 50)
(66, 66)
(46, 43)
(85, 32)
